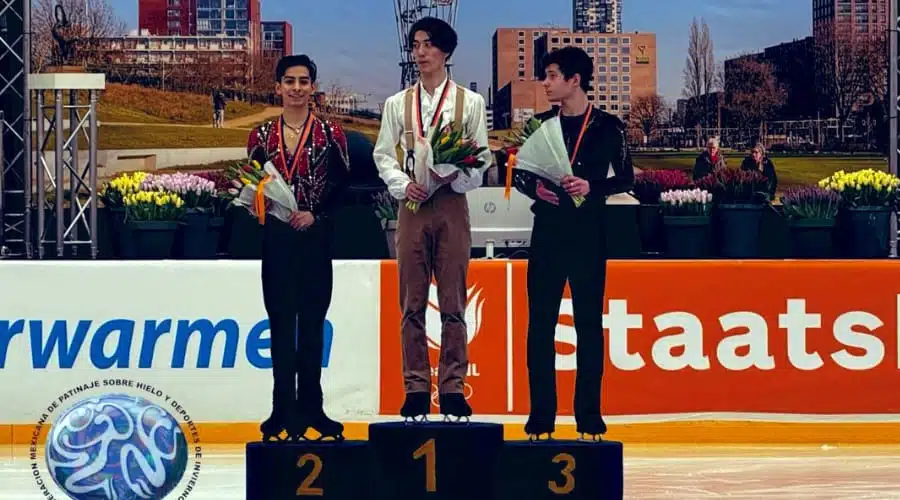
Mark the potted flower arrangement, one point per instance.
(648, 185)
(686, 219)
(741, 196)
(225, 194)
(113, 195)
(811, 214)
(386, 209)
(867, 199)
(197, 239)
(153, 217)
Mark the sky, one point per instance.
(359, 49)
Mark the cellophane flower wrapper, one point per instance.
(544, 155)
(276, 190)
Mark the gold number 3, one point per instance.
(569, 485)
(428, 451)
(305, 489)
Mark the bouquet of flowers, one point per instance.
(864, 188)
(810, 202)
(446, 152)
(542, 154)
(686, 202)
(153, 205)
(265, 191)
(649, 184)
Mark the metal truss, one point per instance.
(15, 129)
(407, 13)
(894, 107)
(66, 179)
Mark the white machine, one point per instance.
(498, 223)
(501, 227)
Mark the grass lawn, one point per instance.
(163, 137)
(135, 104)
(791, 170)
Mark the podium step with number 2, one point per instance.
(561, 468)
(435, 460)
(325, 470)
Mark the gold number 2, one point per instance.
(427, 450)
(305, 489)
(569, 485)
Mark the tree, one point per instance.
(843, 72)
(700, 68)
(91, 21)
(647, 113)
(753, 93)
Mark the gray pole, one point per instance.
(893, 105)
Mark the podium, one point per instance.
(435, 460)
(329, 470)
(561, 469)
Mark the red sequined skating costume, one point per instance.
(297, 272)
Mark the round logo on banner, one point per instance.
(116, 446)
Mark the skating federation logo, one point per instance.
(116, 446)
(474, 305)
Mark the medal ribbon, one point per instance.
(420, 129)
(292, 169)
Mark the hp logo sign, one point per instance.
(490, 207)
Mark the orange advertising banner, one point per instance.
(796, 337)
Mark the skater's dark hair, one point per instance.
(288, 62)
(571, 61)
(441, 33)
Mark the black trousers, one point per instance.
(566, 245)
(297, 281)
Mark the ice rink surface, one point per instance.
(651, 472)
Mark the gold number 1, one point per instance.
(569, 485)
(427, 450)
(305, 488)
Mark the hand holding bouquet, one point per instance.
(540, 150)
(447, 153)
(264, 191)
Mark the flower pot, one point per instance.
(246, 235)
(650, 226)
(687, 236)
(811, 238)
(390, 236)
(123, 239)
(198, 239)
(153, 239)
(740, 230)
(870, 232)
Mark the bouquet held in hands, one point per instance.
(441, 158)
(262, 190)
(540, 149)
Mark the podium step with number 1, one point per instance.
(435, 460)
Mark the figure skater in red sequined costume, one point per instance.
(311, 154)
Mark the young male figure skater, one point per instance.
(569, 243)
(435, 240)
(311, 155)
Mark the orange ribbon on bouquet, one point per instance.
(260, 201)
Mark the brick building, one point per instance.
(277, 39)
(625, 67)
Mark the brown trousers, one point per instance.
(436, 241)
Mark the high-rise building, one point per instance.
(277, 38)
(850, 16)
(624, 67)
(168, 17)
(597, 16)
(231, 18)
